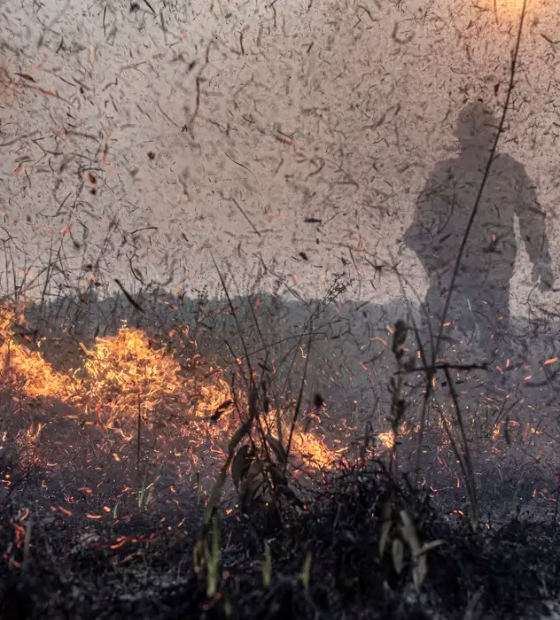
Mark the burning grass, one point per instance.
(114, 512)
(24, 369)
(126, 372)
(128, 379)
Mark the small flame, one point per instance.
(387, 439)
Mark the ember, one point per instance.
(387, 439)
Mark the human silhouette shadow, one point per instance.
(480, 299)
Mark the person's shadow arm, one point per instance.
(426, 236)
(532, 226)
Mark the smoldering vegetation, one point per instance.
(278, 326)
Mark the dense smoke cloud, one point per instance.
(137, 138)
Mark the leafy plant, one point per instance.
(206, 559)
(398, 528)
(266, 566)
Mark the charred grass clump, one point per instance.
(105, 514)
(365, 545)
(368, 545)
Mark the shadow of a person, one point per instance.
(480, 298)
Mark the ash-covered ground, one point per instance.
(114, 521)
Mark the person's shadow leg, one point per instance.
(458, 326)
(494, 335)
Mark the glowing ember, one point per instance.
(387, 439)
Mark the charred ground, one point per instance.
(96, 524)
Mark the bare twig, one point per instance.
(468, 463)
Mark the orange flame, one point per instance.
(387, 439)
(127, 375)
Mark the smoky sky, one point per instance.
(137, 144)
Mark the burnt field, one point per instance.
(278, 310)
(188, 460)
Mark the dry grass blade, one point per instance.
(222, 477)
(468, 462)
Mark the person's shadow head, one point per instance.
(476, 128)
